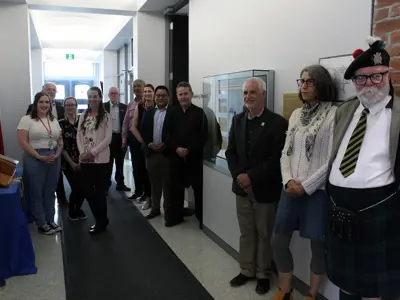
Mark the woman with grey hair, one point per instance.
(304, 163)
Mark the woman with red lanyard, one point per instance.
(39, 135)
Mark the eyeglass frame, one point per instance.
(310, 82)
(370, 78)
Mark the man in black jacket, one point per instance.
(187, 131)
(117, 110)
(256, 140)
(58, 112)
(153, 133)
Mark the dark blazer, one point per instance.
(122, 111)
(147, 130)
(59, 108)
(192, 136)
(263, 163)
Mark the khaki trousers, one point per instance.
(256, 223)
(159, 174)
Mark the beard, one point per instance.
(370, 95)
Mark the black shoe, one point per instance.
(172, 223)
(262, 286)
(2, 284)
(96, 229)
(122, 187)
(107, 222)
(188, 212)
(136, 196)
(81, 215)
(240, 280)
(153, 214)
(73, 216)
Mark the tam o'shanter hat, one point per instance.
(376, 55)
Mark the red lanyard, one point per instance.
(48, 123)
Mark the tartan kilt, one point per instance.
(370, 266)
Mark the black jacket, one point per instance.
(122, 111)
(262, 164)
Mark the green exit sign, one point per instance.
(70, 56)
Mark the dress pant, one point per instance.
(117, 155)
(256, 223)
(140, 175)
(185, 173)
(94, 183)
(159, 173)
(77, 196)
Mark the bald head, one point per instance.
(113, 94)
(50, 89)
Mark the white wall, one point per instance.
(110, 70)
(15, 82)
(36, 71)
(282, 35)
(149, 47)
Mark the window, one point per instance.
(60, 92)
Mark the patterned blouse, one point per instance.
(69, 132)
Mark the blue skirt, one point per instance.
(308, 214)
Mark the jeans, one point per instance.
(43, 179)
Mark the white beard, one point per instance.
(370, 95)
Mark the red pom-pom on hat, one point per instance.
(357, 52)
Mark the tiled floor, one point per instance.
(212, 266)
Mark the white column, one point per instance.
(110, 70)
(149, 48)
(15, 81)
(36, 71)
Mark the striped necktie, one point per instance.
(349, 161)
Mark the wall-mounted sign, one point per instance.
(70, 56)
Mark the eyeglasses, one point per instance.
(160, 96)
(115, 93)
(309, 82)
(375, 78)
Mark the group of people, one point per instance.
(165, 143)
(335, 169)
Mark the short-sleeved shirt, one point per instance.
(38, 136)
(69, 132)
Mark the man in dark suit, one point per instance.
(256, 140)
(117, 111)
(187, 132)
(57, 109)
(153, 133)
(58, 112)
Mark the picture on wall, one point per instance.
(337, 65)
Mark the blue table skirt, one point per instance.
(17, 256)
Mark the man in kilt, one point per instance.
(363, 239)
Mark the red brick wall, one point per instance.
(387, 26)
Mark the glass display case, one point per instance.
(222, 99)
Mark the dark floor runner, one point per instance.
(128, 262)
